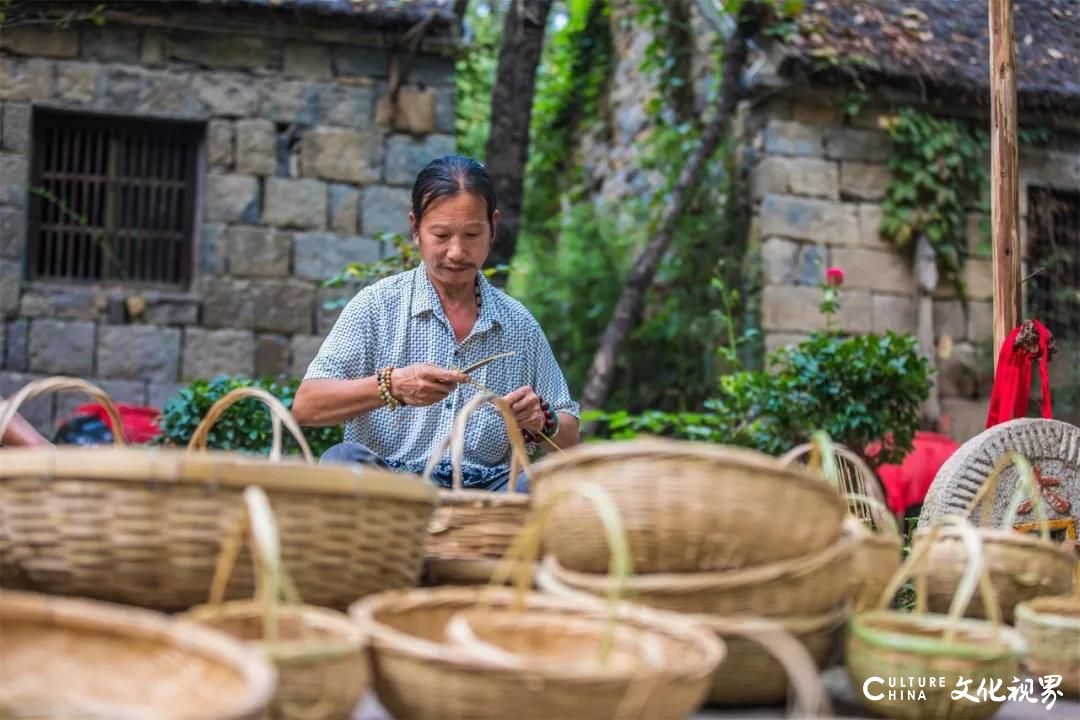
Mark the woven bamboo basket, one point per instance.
(888, 644)
(687, 506)
(143, 526)
(1051, 627)
(471, 529)
(75, 658)
(1021, 567)
(319, 653)
(809, 585)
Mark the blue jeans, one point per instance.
(352, 452)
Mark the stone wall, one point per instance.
(301, 170)
(816, 184)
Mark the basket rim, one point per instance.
(384, 638)
(348, 638)
(794, 624)
(1012, 644)
(449, 497)
(623, 450)
(989, 536)
(259, 675)
(212, 469)
(661, 583)
(1033, 612)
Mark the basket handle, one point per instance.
(519, 456)
(1026, 485)
(877, 508)
(279, 414)
(33, 389)
(975, 574)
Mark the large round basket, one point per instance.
(419, 674)
(143, 526)
(888, 644)
(687, 506)
(471, 529)
(808, 585)
(1021, 567)
(68, 658)
(1051, 627)
(319, 653)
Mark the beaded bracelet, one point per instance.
(551, 424)
(383, 378)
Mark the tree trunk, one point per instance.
(511, 110)
(631, 301)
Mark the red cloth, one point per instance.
(1012, 383)
(906, 484)
(140, 422)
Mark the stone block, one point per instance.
(863, 181)
(138, 352)
(14, 179)
(111, 44)
(844, 143)
(12, 232)
(815, 112)
(347, 106)
(978, 242)
(16, 127)
(1050, 168)
(794, 138)
(172, 312)
(40, 41)
(811, 177)
(155, 48)
(318, 256)
(211, 249)
(208, 353)
(120, 391)
(59, 347)
(10, 286)
(256, 143)
(307, 60)
(779, 257)
(344, 208)
(880, 270)
(16, 354)
(344, 155)
(856, 313)
(232, 198)
(819, 221)
(429, 69)
(303, 348)
(445, 110)
(226, 94)
(357, 60)
(406, 157)
(329, 304)
(158, 394)
(779, 341)
(124, 87)
(284, 306)
(792, 309)
(228, 303)
(964, 373)
(980, 321)
(813, 260)
(220, 136)
(414, 111)
(37, 411)
(978, 276)
(166, 93)
(3, 344)
(895, 312)
(31, 79)
(769, 176)
(963, 419)
(289, 101)
(271, 356)
(950, 320)
(73, 302)
(385, 210)
(79, 83)
(222, 50)
(257, 251)
(295, 203)
(870, 227)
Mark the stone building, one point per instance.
(817, 177)
(177, 181)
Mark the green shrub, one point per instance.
(245, 426)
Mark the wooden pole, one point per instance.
(1004, 174)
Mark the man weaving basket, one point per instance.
(390, 369)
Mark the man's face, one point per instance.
(454, 237)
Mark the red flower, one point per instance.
(834, 276)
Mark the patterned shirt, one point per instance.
(400, 321)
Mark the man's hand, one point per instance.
(423, 384)
(526, 405)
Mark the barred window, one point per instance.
(112, 199)
(1054, 237)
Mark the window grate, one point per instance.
(1054, 234)
(112, 199)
